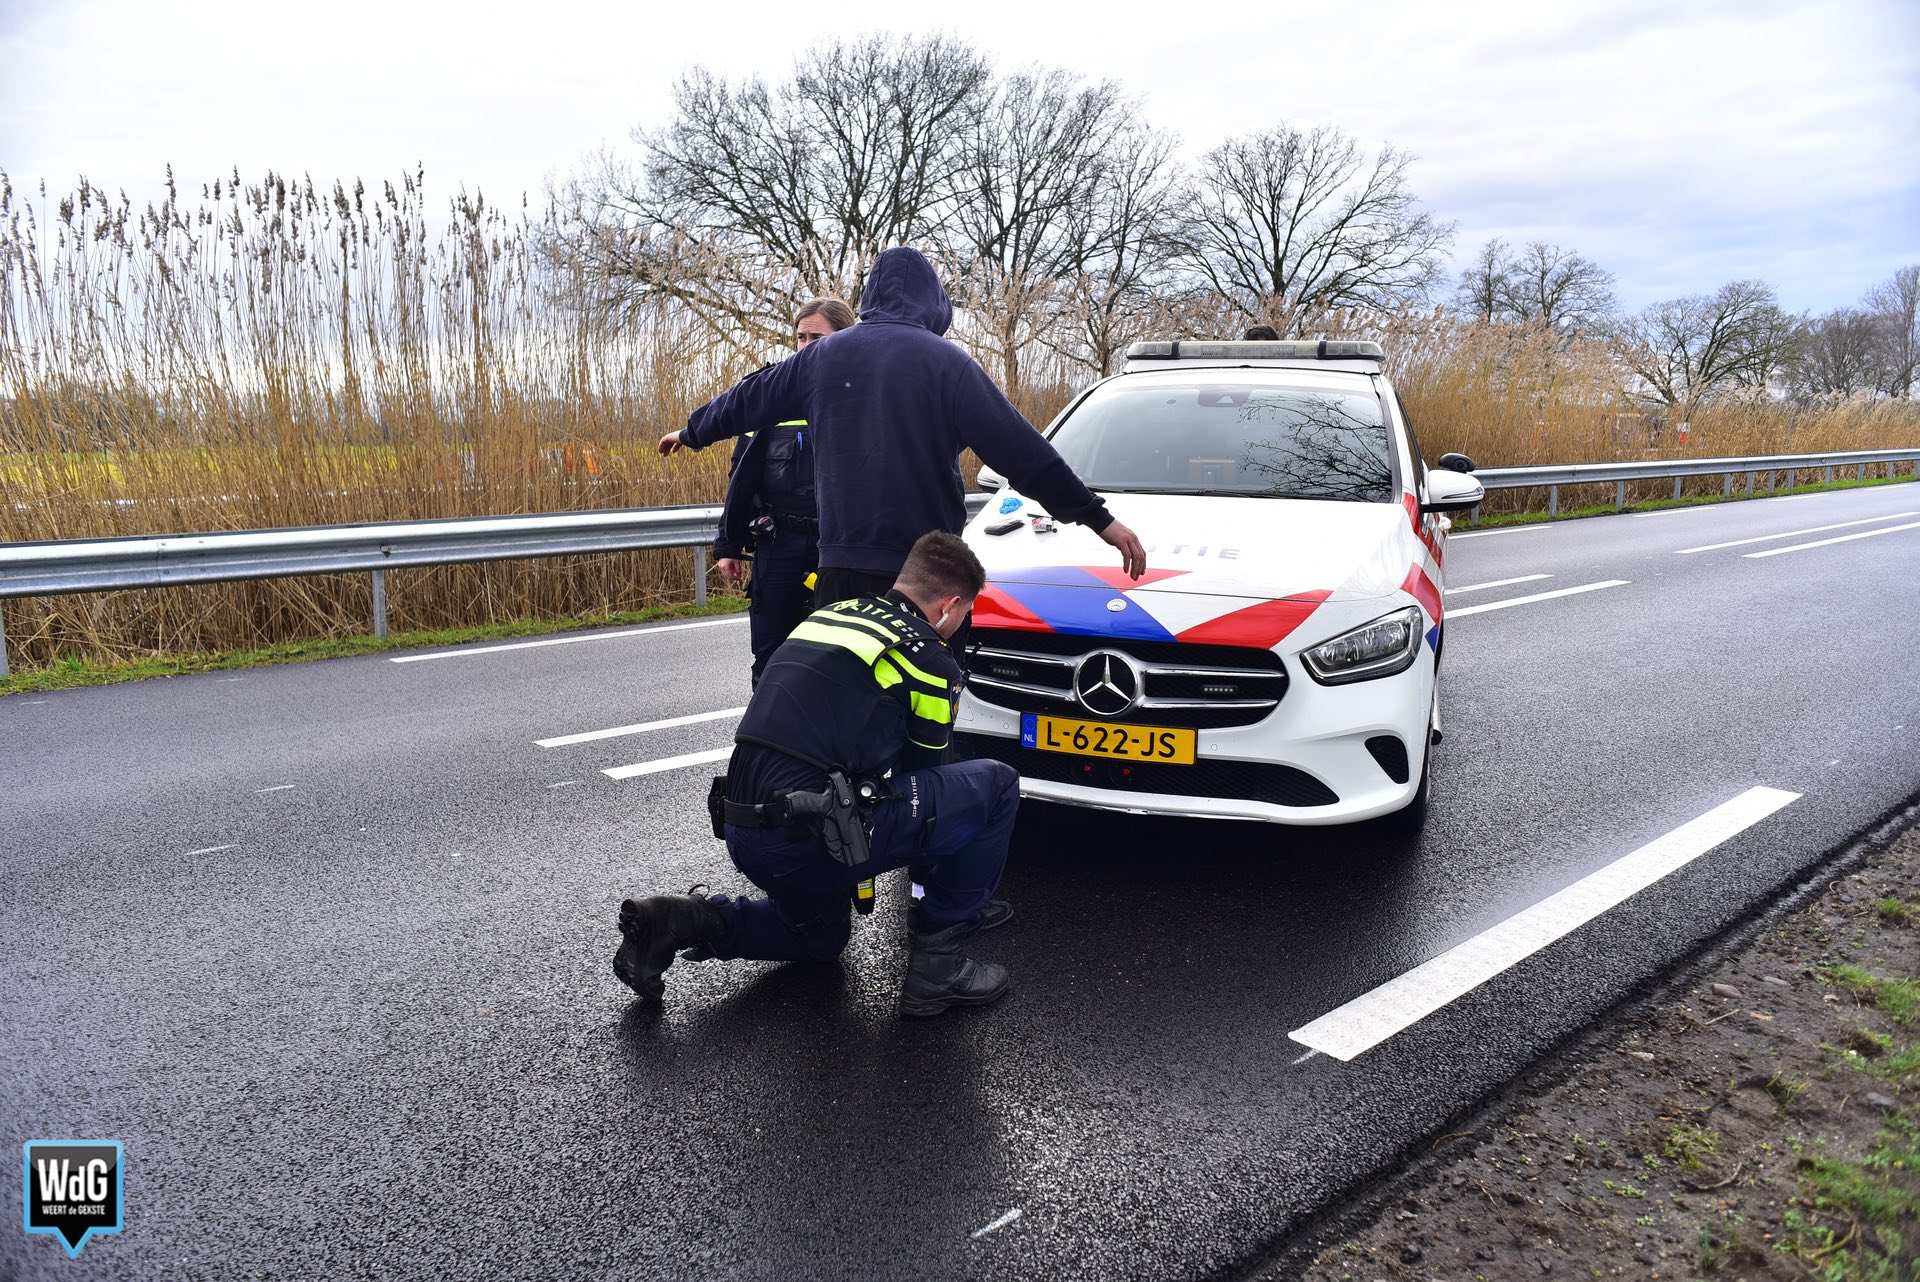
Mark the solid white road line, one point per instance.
(669, 763)
(1497, 583)
(1487, 534)
(1401, 1002)
(1538, 596)
(1844, 538)
(1789, 534)
(588, 736)
(534, 645)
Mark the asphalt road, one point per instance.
(326, 947)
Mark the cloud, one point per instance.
(1678, 145)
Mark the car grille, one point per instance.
(1232, 780)
(1201, 686)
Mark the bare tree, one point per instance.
(1482, 292)
(1842, 354)
(1030, 167)
(1687, 350)
(1557, 288)
(1124, 252)
(752, 199)
(1898, 302)
(1288, 224)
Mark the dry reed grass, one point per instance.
(277, 354)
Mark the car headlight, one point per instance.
(1377, 649)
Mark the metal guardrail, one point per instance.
(171, 560)
(1554, 475)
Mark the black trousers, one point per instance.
(778, 596)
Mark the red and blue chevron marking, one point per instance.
(1073, 599)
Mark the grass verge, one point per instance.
(1659, 505)
(1756, 1121)
(72, 673)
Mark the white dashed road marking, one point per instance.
(1487, 534)
(209, 850)
(998, 1224)
(1844, 538)
(588, 736)
(1405, 1000)
(465, 651)
(1817, 529)
(669, 763)
(1538, 596)
(279, 787)
(1497, 583)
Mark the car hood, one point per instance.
(1237, 571)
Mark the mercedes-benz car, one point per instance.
(1278, 661)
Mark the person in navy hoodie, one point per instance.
(891, 404)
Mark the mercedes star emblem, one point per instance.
(1106, 683)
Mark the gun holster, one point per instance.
(717, 806)
(838, 815)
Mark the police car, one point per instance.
(1278, 660)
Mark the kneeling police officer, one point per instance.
(835, 777)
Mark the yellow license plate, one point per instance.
(1163, 744)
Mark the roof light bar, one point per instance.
(1257, 350)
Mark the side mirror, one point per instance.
(1456, 463)
(988, 479)
(1451, 491)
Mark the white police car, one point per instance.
(1278, 660)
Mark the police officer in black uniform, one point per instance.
(770, 509)
(835, 777)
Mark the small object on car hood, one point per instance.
(1003, 527)
(1011, 503)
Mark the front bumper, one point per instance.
(1306, 763)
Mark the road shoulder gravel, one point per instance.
(1758, 1116)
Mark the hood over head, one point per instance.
(903, 288)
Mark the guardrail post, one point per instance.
(380, 603)
(3, 642)
(1726, 486)
(1553, 501)
(1619, 496)
(1829, 474)
(1750, 476)
(1772, 476)
(1676, 487)
(699, 576)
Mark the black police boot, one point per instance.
(940, 976)
(655, 929)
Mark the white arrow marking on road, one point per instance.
(1498, 583)
(1373, 1017)
(669, 763)
(1844, 538)
(588, 736)
(1538, 596)
(1817, 529)
(534, 645)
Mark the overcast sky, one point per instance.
(1681, 145)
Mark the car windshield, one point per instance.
(1203, 436)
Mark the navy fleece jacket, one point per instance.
(892, 404)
